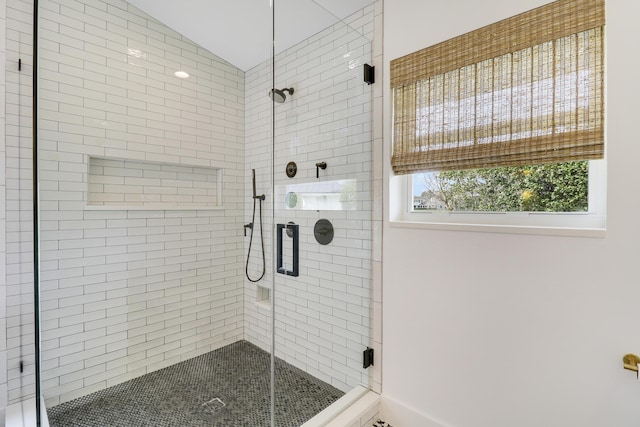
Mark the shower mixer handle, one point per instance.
(260, 197)
(249, 226)
(320, 165)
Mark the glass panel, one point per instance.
(17, 274)
(322, 291)
(142, 160)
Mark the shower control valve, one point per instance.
(249, 226)
(320, 165)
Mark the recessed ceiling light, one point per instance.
(181, 74)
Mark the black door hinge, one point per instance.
(367, 358)
(369, 74)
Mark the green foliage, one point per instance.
(348, 194)
(561, 187)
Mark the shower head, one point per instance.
(278, 94)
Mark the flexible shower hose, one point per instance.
(264, 263)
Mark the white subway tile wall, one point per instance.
(322, 316)
(125, 292)
(3, 218)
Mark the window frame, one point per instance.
(585, 224)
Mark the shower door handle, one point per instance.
(294, 229)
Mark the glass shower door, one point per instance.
(206, 230)
(322, 212)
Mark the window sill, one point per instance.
(508, 229)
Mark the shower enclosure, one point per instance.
(205, 244)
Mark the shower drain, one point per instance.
(213, 405)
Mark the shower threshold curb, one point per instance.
(23, 414)
(345, 410)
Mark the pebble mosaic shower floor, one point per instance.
(228, 387)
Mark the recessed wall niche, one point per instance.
(133, 184)
(263, 297)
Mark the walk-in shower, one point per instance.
(157, 302)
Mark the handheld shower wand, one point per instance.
(253, 178)
(250, 226)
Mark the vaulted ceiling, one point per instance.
(240, 31)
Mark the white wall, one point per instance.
(124, 291)
(322, 316)
(500, 330)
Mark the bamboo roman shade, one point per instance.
(525, 90)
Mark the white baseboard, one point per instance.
(400, 415)
(23, 414)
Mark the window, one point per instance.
(507, 118)
(558, 187)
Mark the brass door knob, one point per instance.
(630, 362)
